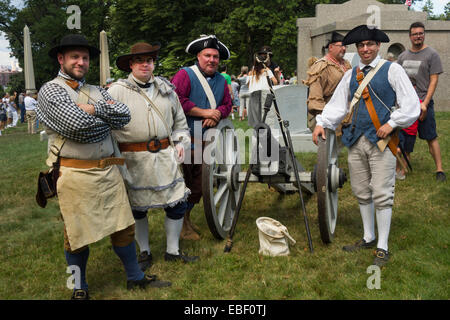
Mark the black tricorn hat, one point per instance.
(335, 37)
(205, 42)
(73, 40)
(363, 33)
(140, 48)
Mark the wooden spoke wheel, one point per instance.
(220, 173)
(328, 177)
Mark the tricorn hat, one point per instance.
(363, 33)
(73, 40)
(335, 37)
(205, 42)
(140, 48)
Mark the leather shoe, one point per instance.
(147, 281)
(181, 256)
(381, 257)
(80, 294)
(361, 244)
(440, 176)
(145, 260)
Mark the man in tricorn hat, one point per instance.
(323, 77)
(367, 128)
(205, 98)
(91, 192)
(153, 143)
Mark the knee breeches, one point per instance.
(372, 173)
(177, 212)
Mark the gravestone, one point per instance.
(291, 101)
(353, 58)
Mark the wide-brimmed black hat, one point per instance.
(335, 37)
(363, 33)
(266, 50)
(205, 42)
(140, 48)
(73, 40)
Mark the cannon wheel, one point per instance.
(220, 171)
(328, 177)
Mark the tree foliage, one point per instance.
(428, 8)
(243, 25)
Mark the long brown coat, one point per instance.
(323, 78)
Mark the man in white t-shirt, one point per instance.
(30, 111)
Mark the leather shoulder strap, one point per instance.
(58, 142)
(55, 150)
(206, 87)
(84, 95)
(392, 140)
(365, 82)
(362, 85)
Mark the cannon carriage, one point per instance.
(224, 183)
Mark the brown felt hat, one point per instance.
(140, 48)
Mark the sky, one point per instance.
(5, 59)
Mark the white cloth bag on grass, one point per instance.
(273, 237)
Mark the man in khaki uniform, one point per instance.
(153, 144)
(323, 77)
(91, 193)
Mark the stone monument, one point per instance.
(291, 101)
(394, 19)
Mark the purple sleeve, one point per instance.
(183, 89)
(225, 107)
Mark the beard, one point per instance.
(340, 56)
(70, 72)
(418, 44)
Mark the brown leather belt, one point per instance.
(88, 164)
(154, 145)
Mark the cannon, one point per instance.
(224, 184)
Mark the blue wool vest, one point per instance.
(198, 95)
(361, 122)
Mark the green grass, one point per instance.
(32, 264)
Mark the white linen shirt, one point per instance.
(408, 101)
(30, 103)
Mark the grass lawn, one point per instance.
(32, 263)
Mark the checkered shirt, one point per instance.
(60, 113)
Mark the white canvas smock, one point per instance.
(93, 202)
(154, 180)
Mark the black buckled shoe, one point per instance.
(361, 244)
(381, 257)
(80, 294)
(181, 256)
(147, 281)
(145, 260)
(440, 176)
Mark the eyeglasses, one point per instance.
(418, 34)
(369, 44)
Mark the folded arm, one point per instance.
(60, 113)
